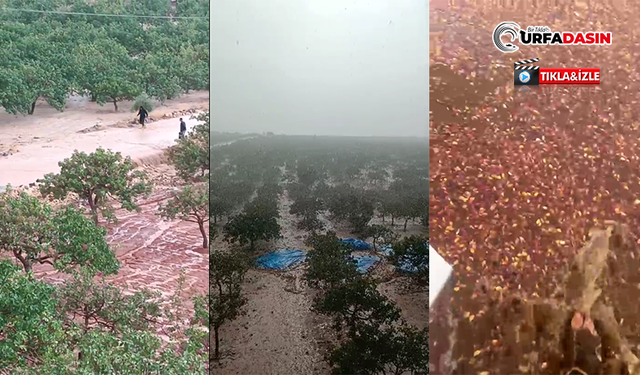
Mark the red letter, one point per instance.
(567, 38)
(590, 38)
(579, 38)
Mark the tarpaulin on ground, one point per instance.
(365, 262)
(356, 244)
(281, 259)
(404, 265)
(386, 250)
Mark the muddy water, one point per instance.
(37, 143)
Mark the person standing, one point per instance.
(143, 114)
(183, 129)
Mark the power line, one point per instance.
(97, 14)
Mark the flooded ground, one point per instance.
(31, 146)
(151, 251)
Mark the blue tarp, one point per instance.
(404, 264)
(356, 244)
(365, 262)
(281, 259)
(386, 250)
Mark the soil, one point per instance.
(280, 335)
(151, 251)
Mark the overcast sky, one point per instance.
(325, 67)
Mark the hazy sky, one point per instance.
(325, 67)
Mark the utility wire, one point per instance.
(96, 14)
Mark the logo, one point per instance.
(524, 77)
(506, 28)
(543, 36)
(524, 74)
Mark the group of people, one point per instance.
(143, 115)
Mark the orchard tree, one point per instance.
(380, 350)
(257, 222)
(27, 318)
(374, 338)
(100, 304)
(413, 253)
(39, 336)
(40, 69)
(97, 178)
(107, 72)
(361, 210)
(156, 69)
(190, 204)
(307, 207)
(379, 233)
(330, 262)
(36, 234)
(190, 155)
(377, 175)
(226, 274)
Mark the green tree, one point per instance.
(225, 195)
(191, 155)
(28, 319)
(226, 274)
(37, 66)
(35, 234)
(413, 253)
(330, 262)
(106, 71)
(373, 338)
(307, 208)
(96, 304)
(40, 335)
(97, 178)
(383, 350)
(379, 233)
(157, 72)
(190, 204)
(258, 221)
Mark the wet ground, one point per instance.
(280, 335)
(151, 251)
(31, 146)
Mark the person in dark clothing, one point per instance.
(143, 114)
(183, 129)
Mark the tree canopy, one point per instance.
(98, 178)
(50, 56)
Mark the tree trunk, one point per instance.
(216, 351)
(94, 209)
(93, 98)
(115, 103)
(205, 239)
(405, 224)
(393, 219)
(383, 215)
(33, 107)
(26, 263)
(215, 219)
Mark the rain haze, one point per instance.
(356, 68)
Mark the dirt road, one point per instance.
(35, 144)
